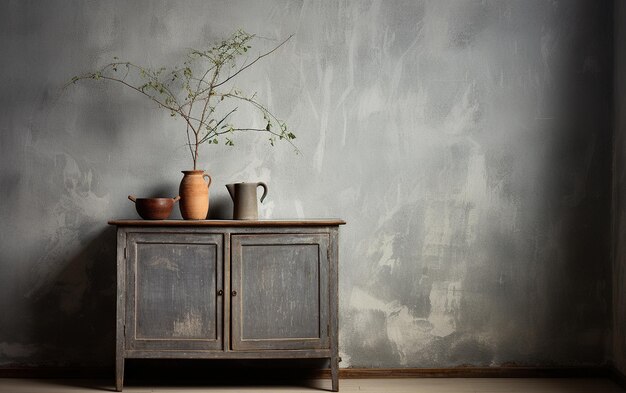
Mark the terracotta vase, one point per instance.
(194, 195)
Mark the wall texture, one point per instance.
(467, 144)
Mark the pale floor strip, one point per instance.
(401, 385)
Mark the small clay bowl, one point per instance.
(154, 208)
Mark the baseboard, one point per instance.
(344, 373)
(475, 372)
(56, 372)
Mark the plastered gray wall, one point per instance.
(466, 143)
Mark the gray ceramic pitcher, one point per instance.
(244, 198)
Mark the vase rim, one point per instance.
(193, 172)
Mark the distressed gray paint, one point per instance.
(465, 142)
(292, 290)
(282, 291)
(172, 283)
(164, 278)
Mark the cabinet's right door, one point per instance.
(280, 291)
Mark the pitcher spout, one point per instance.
(231, 190)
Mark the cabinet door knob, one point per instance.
(220, 292)
(234, 293)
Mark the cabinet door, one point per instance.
(173, 281)
(280, 291)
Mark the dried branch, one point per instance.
(185, 91)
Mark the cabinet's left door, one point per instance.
(174, 291)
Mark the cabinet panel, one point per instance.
(173, 300)
(280, 298)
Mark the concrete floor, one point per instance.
(405, 385)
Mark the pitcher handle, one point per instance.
(132, 198)
(264, 189)
(210, 180)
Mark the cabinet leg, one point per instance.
(334, 373)
(119, 373)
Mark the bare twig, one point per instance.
(252, 63)
(194, 99)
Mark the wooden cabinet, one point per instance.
(227, 289)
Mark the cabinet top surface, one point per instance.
(230, 223)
